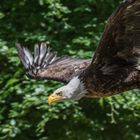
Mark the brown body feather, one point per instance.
(115, 65)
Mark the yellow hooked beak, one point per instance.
(54, 98)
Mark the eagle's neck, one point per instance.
(77, 88)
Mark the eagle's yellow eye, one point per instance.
(59, 93)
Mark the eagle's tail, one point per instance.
(42, 58)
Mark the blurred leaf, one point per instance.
(72, 28)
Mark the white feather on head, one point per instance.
(73, 90)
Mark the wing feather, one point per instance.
(46, 64)
(120, 43)
(25, 56)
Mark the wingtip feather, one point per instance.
(22, 55)
(43, 56)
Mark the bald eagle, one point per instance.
(113, 69)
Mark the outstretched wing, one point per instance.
(45, 64)
(120, 43)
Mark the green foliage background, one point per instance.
(72, 28)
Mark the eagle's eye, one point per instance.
(59, 93)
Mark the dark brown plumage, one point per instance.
(115, 65)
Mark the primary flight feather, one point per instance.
(114, 68)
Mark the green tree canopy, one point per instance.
(72, 28)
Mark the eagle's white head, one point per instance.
(73, 90)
